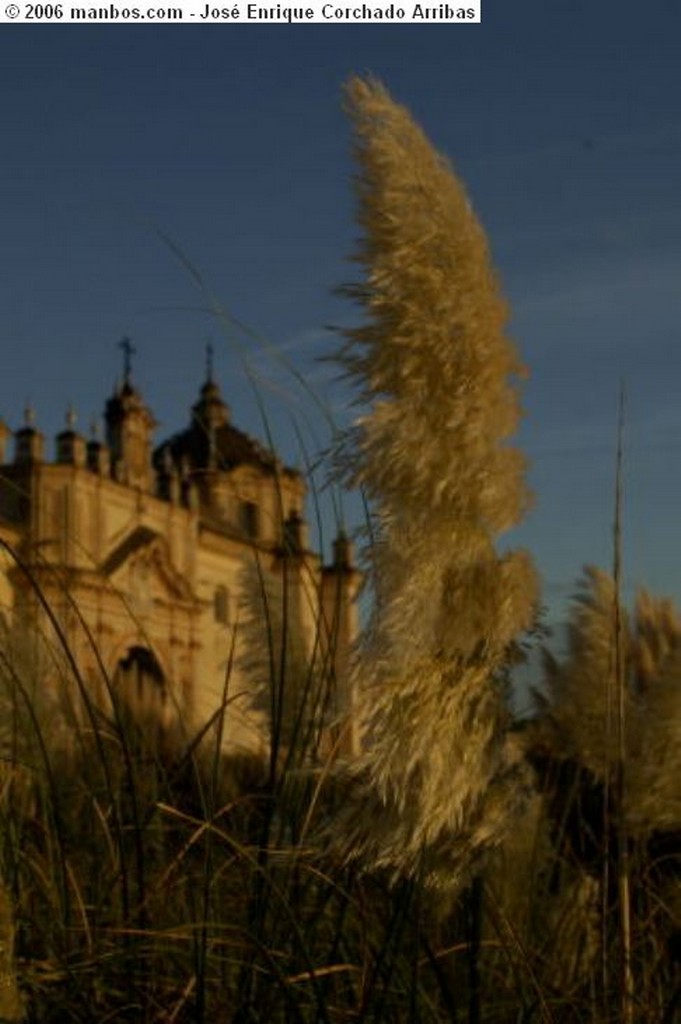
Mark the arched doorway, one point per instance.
(141, 690)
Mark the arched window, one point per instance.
(221, 606)
(141, 687)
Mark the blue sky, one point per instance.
(563, 119)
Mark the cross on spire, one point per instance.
(209, 362)
(128, 351)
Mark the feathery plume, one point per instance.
(582, 690)
(581, 699)
(433, 362)
(654, 787)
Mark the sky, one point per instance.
(190, 184)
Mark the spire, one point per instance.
(71, 447)
(128, 351)
(210, 412)
(129, 429)
(28, 440)
(168, 477)
(98, 459)
(343, 559)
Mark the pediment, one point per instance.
(141, 565)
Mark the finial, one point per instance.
(29, 415)
(71, 417)
(128, 351)
(95, 428)
(209, 362)
(342, 551)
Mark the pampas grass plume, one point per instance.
(433, 363)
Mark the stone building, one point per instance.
(134, 557)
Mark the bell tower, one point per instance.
(129, 430)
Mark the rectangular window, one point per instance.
(248, 519)
(221, 606)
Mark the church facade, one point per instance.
(132, 557)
